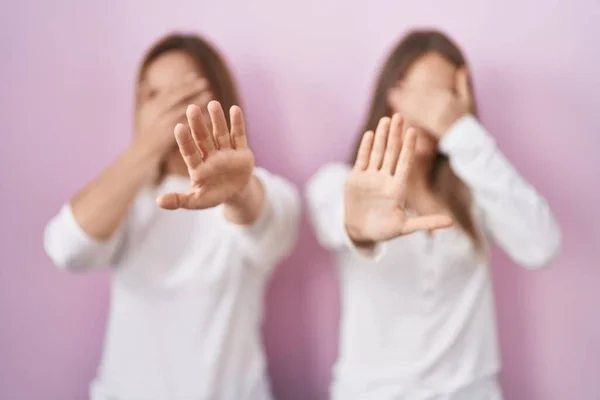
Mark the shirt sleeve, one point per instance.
(273, 236)
(69, 247)
(325, 198)
(515, 215)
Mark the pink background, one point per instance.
(306, 70)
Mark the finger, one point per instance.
(462, 84)
(238, 128)
(187, 147)
(202, 99)
(414, 103)
(200, 133)
(381, 134)
(174, 117)
(198, 97)
(364, 151)
(174, 201)
(429, 222)
(409, 102)
(406, 157)
(406, 98)
(219, 125)
(189, 201)
(183, 93)
(168, 201)
(394, 145)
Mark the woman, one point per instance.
(417, 307)
(187, 287)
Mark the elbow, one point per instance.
(70, 248)
(544, 252)
(60, 253)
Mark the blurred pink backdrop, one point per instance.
(306, 71)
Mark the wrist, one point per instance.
(141, 151)
(242, 196)
(356, 235)
(245, 207)
(450, 120)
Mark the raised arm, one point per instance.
(87, 231)
(261, 208)
(517, 217)
(374, 193)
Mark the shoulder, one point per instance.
(331, 175)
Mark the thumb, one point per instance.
(172, 201)
(462, 84)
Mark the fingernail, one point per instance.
(192, 111)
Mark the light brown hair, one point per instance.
(208, 61)
(451, 190)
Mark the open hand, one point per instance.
(431, 108)
(220, 164)
(375, 190)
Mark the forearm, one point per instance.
(245, 208)
(516, 215)
(492, 179)
(102, 205)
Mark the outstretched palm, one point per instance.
(375, 190)
(220, 164)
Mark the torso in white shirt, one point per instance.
(185, 310)
(418, 322)
(186, 296)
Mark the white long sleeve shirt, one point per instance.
(418, 318)
(186, 296)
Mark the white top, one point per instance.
(186, 296)
(418, 319)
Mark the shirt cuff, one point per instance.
(259, 225)
(70, 247)
(465, 135)
(76, 237)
